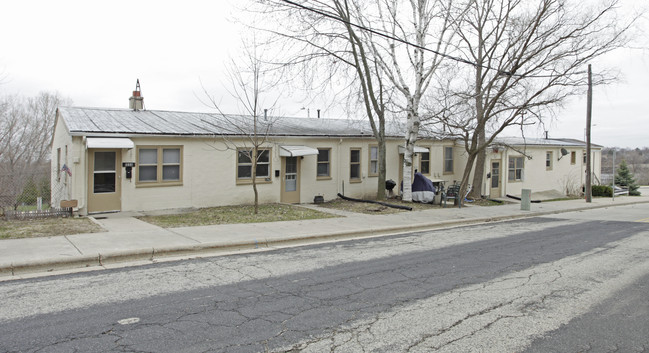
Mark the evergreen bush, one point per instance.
(626, 179)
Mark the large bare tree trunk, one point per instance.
(411, 139)
(478, 175)
(380, 190)
(465, 178)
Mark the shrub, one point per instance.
(602, 190)
(625, 178)
(29, 194)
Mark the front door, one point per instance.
(290, 180)
(495, 179)
(104, 180)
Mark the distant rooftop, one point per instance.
(531, 141)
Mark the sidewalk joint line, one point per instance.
(182, 235)
(69, 241)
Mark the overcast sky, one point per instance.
(92, 52)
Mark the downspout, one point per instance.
(582, 171)
(84, 171)
(487, 170)
(505, 174)
(339, 186)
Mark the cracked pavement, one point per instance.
(500, 287)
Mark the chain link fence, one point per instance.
(29, 191)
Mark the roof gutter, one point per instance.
(121, 134)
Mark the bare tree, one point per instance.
(249, 133)
(402, 50)
(26, 128)
(528, 57)
(324, 46)
(385, 42)
(370, 81)
(372, 86)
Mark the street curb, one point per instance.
(152, 254)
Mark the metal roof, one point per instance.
(527, 141)
(89, 121)
(126, 122)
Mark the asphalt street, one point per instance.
(619, 324)
(566, 283)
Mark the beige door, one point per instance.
(290, 180)
(495, 179)
(104, 180)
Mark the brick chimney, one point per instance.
(136, 102)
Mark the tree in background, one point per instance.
(625, 178)
(26, 128)
(637, 160)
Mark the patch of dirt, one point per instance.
(49, 227)
(372, 208)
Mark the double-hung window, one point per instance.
(245, 158)
(424, 163)
(448, 160)
(374, 161)
(355, 165)
(515, 169)
(159, 165)
(58, 164)
(324, 163)
(548, 160)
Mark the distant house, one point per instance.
(139, 160)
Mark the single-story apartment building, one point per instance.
(538, 164)
(141, 160)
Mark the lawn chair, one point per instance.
(451, 193)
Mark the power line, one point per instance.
(388, 36)
(403, 41)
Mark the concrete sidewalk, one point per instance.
(128, 239)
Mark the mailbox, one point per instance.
(129, 169)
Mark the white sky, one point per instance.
(93, 52)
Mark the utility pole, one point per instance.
(589, 111)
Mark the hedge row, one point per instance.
(602, 190)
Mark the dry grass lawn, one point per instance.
(49, 227)
(235, 214)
